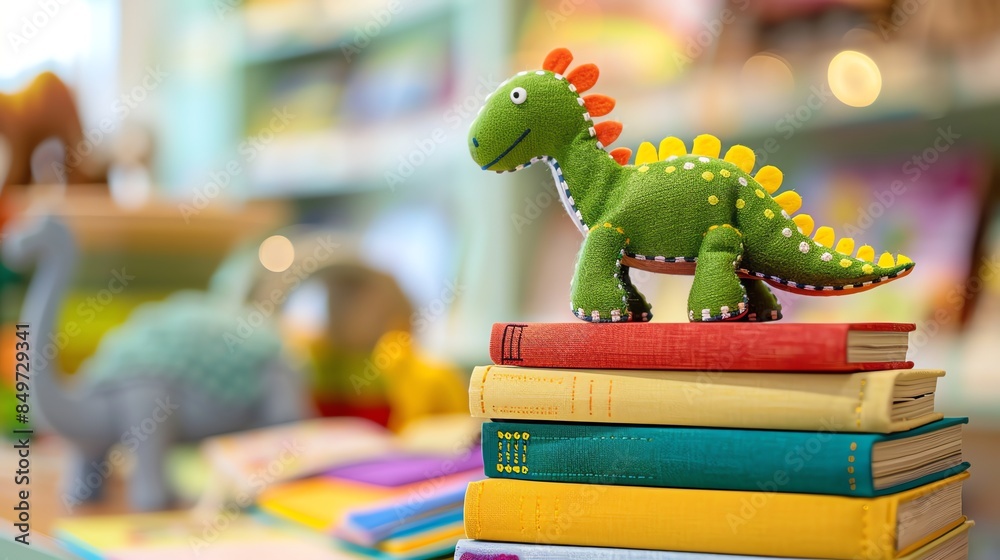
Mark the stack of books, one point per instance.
(687, 441)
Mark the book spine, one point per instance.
(677, 347)
(820, 462)
(711, 521)
(859, 402)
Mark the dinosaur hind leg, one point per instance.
(638, 308)
(761, 303)
(717, 293)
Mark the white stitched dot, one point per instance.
(785, 215)
(558, 76)
(579, 100)
(724, 309)
(540, 72)
(804, 247)
(826, 257)
(671, 158)
(522, 73)
(689, 165)
(786, 232)
(743, 181)
(703, 159)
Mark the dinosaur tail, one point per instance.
(784, 249)
(786, 252)
(780, 248)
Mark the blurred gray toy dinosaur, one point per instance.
(177, 370)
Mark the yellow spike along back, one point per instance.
(770, 178)
(805, 223)
(645, 154)
(706, 145)
(866, 253)
(790, 201)
(825, 236)
(741, 157)
(845, 246)
(672, 146)
(885, 260)
(902, 259)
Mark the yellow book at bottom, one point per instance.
(718, 521)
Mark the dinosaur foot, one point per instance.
(772, 315)
(761, 303)
(612, 316)
(735, 312)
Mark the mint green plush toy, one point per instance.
(669, 212)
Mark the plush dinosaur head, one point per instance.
(534, 113)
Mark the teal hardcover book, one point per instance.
(848, 464)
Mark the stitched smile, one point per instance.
(507, 151)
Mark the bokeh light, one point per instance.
(276, 253)
(854, 78)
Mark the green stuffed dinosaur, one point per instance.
(669, 212)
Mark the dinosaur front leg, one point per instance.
(601, 290)
(85, 479)
(762, 304)
(717, 293)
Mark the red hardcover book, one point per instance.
(771, 347)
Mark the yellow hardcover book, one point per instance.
(872, 401)
(717, 521)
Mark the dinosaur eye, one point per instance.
(518, 95)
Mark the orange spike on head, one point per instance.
(607, 131)
(621, 155)
(558, 60)
(583, 77)
(598, 105)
